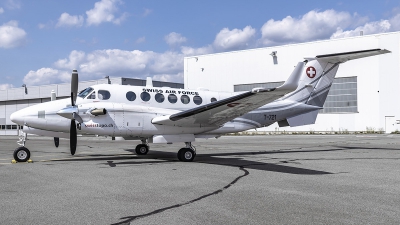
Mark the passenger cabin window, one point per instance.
(159, 97)
(185, 99)
(92, 96)
(104, 95)
(213, 99)
(172, 98)
(145, 96)
(85, 92)
(197, 100)
(131, 96)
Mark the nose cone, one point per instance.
(17, 117)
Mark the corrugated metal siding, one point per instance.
(45, 91)
(342, 97)
(32, 92)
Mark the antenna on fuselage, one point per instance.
(149, 82)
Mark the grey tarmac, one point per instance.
(268, 179)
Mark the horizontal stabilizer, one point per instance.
(346, 56)
(303, 119)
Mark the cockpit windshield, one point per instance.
(85, 92)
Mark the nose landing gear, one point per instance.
(22, 154)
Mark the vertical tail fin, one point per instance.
(316, 80)
(319, 73)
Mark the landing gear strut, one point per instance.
(142, 149)
(22, 154)
(188, 153)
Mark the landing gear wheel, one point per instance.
(22, 154)
(142, 149)
(186, 155)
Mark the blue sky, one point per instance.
(41, 41)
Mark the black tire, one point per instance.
(186, 155)
(22, 154)
(180, 154)
(142, 149)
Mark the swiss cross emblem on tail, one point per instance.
(311, 72)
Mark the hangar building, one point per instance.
(363, 96)
(14, 99)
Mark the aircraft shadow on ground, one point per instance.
(223, 159)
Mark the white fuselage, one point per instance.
(126, 116)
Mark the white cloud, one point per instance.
(104, 11)
(169, 78)
(11, 35)
(234, 39)
(395, 22)
(168, 66)
(111, 62)
(46, 76)
(189, 51)
(67, 20)
(368, 28)
(313, 25)
(13, 4)
(5, 86)
(140, 40)
(374, 27)
(174, 39)
(147, 12)
(74, 60)
(1, 10)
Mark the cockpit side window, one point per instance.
(92, 96)
(104, 95)
(85, 92)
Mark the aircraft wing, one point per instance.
(219, 112)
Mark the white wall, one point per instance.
(380, 73)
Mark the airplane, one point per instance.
(169, 115)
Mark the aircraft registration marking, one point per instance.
(270, 117)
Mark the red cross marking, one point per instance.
(311, 72)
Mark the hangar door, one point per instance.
(389, 124)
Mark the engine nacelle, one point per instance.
(98, 112)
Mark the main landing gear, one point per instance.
(22, 154)
(186, 154)
(142, 149)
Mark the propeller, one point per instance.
(72, 112)
(72, 129)
(74, 86)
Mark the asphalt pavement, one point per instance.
(269, 179)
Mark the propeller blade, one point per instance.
(74, 86)
(77, 117)
(73, 137)
(56, 141)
